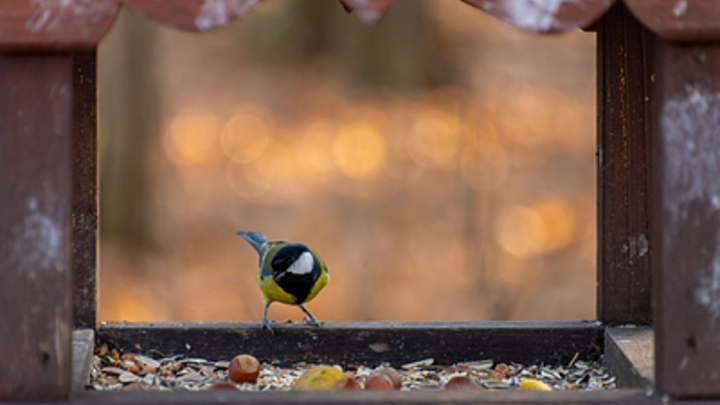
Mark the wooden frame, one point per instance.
(658, 203)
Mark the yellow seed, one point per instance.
(530, 384)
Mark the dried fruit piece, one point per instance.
(244, 369)
(531, 384)
(502, 368)
(318, 378)
(175, 366)
(132, 368)
(462, 383)
(379, 382)
(346, 383)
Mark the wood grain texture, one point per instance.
(623, 260)
(85, 201)
(366, 342)
(630, 356)
(42, 25)
(35, 265)
(685, 218)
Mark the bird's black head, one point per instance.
(287, 255)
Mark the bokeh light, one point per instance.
(527, 231)
(191, 138)
(245, 137)
(358, 150)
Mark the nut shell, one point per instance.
(379, 382)
(244, 369)
(462, 383)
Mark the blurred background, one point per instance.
(441, 163)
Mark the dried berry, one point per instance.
(244, 369)
(461, 383)
(346, 383)
(390, 373)
(379, 382)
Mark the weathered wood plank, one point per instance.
(367, 342)
(685, 218)
(85, 190)
(623, 263)
(83, 350)
(35, 268)
(506, 397)
(630, 356)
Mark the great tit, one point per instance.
(290, 273)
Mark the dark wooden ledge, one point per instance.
(369, 343)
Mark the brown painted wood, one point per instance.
(630, 356)
(35, 268)
(85, 190)
(685, 218)
(366, 342)
(193, 15)
(623, 266)
(544, 17)
(679, 20)
(29, 25)
(369, 12)
(506, 397)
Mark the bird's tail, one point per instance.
(256, 239)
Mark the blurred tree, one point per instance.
(128, 123)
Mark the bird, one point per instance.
(290, 273)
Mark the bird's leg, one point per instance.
(265, 323)
(311, 320)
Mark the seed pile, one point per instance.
(113, 372)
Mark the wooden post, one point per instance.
(623, 266)
(85, 190)
(35, 190)
(685, 217)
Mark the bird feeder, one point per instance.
(658, 217)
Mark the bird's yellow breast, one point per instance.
(271, 291)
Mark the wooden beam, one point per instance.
(685, 218)
(35, 267)
(623, 266)
(85, 190)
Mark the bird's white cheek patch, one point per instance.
(303, 264)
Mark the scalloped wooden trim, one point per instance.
(544, 16)
(679, 20)
(193, 15)
(76, 25)
(33, 25)
(369, 12)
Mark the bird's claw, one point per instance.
(265, 324)
(313, 321)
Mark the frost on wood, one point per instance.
(39, 240)
(690, 127)
(53, 14)
(217, 13)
